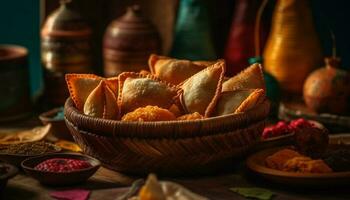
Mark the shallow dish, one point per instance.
(256, 163)
(58, 126)
(340, 139)
(16, 159)
(60, 178)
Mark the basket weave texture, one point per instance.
(165, 147)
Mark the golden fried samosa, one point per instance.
(80, 86)
(238, 101)
(201, 91)
(250, 78)
(102, 102)
(174, 70)
(137, 90)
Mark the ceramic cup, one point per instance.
(14, 83)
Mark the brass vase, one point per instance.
(293, 49)
(65, 48)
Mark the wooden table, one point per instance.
(108, 185)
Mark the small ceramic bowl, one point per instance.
(58, 125)
(11, 171)
(282, 140)
(60, 178)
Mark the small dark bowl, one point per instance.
(16, 159)
(58, 125)
(282, 140)
(11, 172)
(60, 178)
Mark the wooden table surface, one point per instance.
(108, 185)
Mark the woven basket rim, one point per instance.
(69, 104)
(87, 132)
(171, 129)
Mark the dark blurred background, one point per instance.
(21, 22)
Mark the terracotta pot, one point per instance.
(65, 48)
(128, 42)
(14, 83)
(327, 89)
(293, 49)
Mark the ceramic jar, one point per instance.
(240, 43)
(293, 49)
(193, 38)
(327, 89)
(14, 83)
(65, 48)
(128, 43)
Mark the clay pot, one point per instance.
(128, 42)
(65, 48)
(293, 49)
(327, 89)
(14, 83)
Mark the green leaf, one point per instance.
(253, 192)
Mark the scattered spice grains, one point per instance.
(28, 149)
(62, 165)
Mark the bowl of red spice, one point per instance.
(283, 133)
(61, 168)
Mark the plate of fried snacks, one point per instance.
(311, 161)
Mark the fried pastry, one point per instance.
(238, 101)
(102, 102)
(250, 78)
(152, 190)
(80, 86)
(201, 91)
(94, 105)
(174, 70)
(137, 90)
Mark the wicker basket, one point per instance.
(165, 147)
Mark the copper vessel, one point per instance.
(293, 49)
(65, 48)
(128, 42)
(327, 89)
